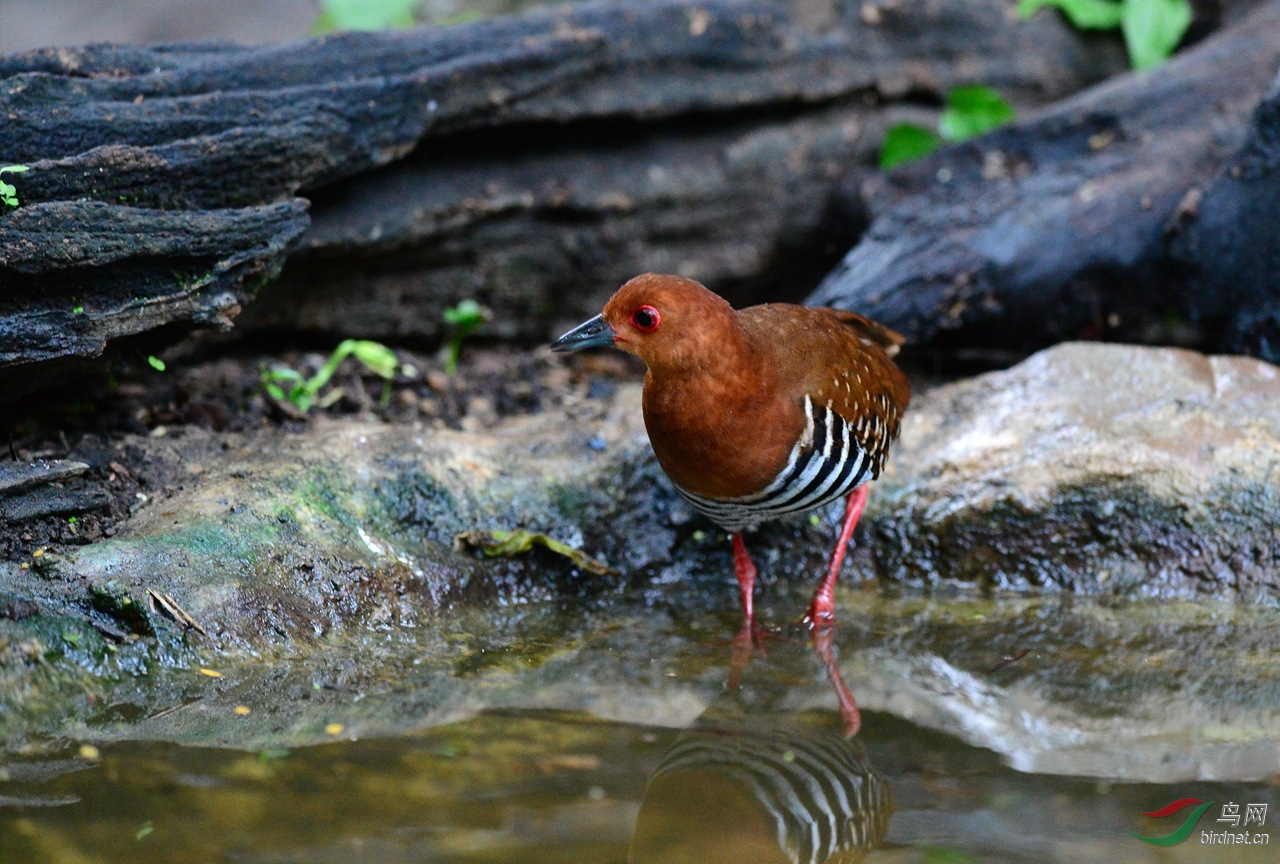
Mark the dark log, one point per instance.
(546, 236)
(740, 200)
(1063, 226)
(77, 273)
(1231, 243)
(123, 141)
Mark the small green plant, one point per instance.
(462, 319)
(156, 363)
(363, 15)
(303, 393)
(9, 192)
(973, 111)
(970, 111)
(1152, 28)
(906, 142)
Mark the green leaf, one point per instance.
(1153, 29)
(156, 363)
(1085, 14)
(509, 543)
(363, 15)
(462, 319)
(973, 111)
(467, 315)
(9, 192)
(906, 142)
(282, 374)
(378, 358)
(301, 398)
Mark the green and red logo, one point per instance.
(1184, 830)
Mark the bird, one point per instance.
(758, 413)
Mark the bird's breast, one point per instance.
(826, 462)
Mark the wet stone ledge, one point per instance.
(1098, 469)
(1090, 469)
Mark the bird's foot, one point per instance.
(822, 612)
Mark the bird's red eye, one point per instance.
(646, 319)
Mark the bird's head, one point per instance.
(669, 322)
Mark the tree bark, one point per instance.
(181, 168)
(1231, 242)
(1067, 225)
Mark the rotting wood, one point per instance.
(1064, 226)
(228, 137)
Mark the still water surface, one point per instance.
(747, 782)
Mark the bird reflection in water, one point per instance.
(752, 786)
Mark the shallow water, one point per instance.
(544, 787)
(527, 784)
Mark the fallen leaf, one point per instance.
(510, 543)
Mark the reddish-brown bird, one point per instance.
(758, 413)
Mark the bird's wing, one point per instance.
(890, 340)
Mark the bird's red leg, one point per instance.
(744, 642)
(822, 611)
(746, 578)
(848, 708)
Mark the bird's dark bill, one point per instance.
(595, 333)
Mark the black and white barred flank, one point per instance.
(828, 462)
(825, 802)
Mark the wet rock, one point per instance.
(52, 502)
(17, 610)
(1091, 468)
(286, 536)
(31, 490)
(17, 476)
